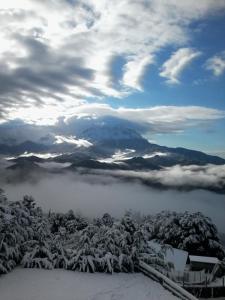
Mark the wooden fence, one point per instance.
(167, 283)
(190, 278)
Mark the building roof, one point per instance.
(204, 259)
(176, 256)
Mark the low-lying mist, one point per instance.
(94, 195)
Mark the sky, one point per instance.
(157, 63)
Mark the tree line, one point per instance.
(35, 239)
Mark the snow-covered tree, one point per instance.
(115, 248)
(70, 221)
(192, 232)
(107, 220)
(15, 229)
(38, 255)
(36, 239)
(38, 250)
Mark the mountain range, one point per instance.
(106, 147)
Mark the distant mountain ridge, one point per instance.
(108, 140)
(125, 155)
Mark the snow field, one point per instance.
(39, 284)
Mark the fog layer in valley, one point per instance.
(94, 195)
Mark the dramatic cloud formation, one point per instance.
(216, 64)
(57, 54)
(173, 67)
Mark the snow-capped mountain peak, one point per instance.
(103, 133)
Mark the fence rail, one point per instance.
(186, 277)
(166, 282)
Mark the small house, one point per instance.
(198, 263)
(176, 256)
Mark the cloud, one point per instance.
(56, 54)
(41, 81)
(216, 64)
(72, 140)
(156, 119)
(175, 65)
(16, 131)
(150, 120)
(40, 155)
(134, 70)
(209, 177)
(159, 119)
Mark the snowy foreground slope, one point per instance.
(36, 284)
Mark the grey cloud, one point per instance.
(43, 73)
(42, 60)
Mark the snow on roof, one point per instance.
(176, 256)
(204, 259)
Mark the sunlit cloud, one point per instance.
(46, 114)
(175, 65)
(134, 71)
(119, 156)
(72, 140)
(30, 154)
(68, 125)
(157, 118)
(216, 64)
(154, 154)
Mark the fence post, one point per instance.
(212, 293)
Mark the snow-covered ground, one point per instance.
(35, 284)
